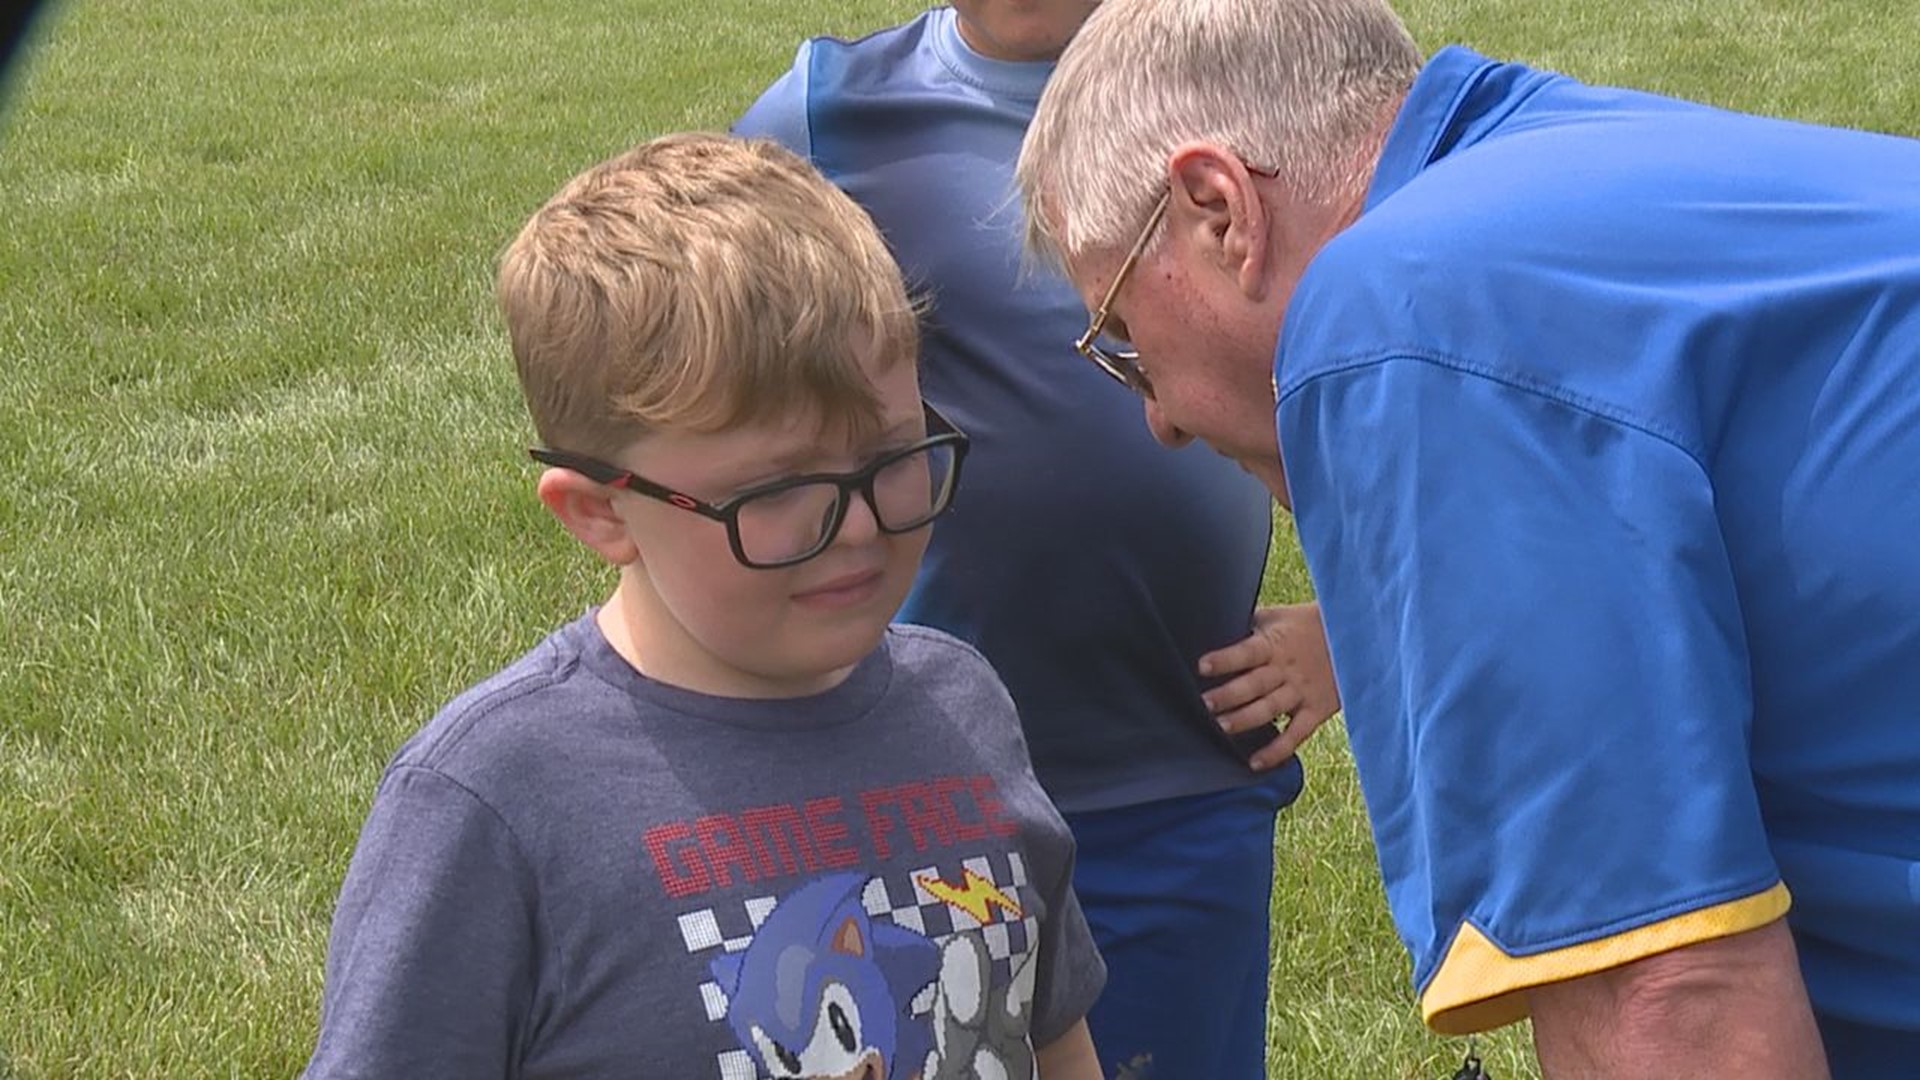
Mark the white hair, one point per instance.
(1302, 87)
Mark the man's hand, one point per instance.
(1732, 1006)
(1281, 669)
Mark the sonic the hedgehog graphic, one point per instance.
(824, 992)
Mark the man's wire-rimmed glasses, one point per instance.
(792, 519)
(1122, 364)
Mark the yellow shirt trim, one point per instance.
(1480, 987)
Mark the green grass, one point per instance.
(263, 509)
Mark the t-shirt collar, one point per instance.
(845, 703)
(1020, 80)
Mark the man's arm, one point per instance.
(1543, 654)
(1732, 1006)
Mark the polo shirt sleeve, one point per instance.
(1540, 647)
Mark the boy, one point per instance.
(729, 824)
(1134, 567)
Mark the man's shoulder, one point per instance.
(1354, 303)
(1465, 260)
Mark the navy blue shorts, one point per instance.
(1859, 1052)
(1179, 893)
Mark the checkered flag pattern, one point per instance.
(984, 893)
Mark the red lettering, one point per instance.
(779, 839)
(922, 809)
(830, 833)
(966, 831)
(725, 846)
(879, 824)
(936, 813)
(682, 871)
(988, 799)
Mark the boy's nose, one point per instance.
(860, 524)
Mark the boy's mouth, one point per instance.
(843, 591)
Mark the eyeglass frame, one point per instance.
(941, 432)
(1124, 365)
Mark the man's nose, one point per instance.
(1164, 430)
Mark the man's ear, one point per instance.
(586, 509)
(1217, 205)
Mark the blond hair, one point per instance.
(1302, 87)
(695, 283)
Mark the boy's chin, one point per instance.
(842, 650)
(820, 661)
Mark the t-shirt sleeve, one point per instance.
(780, 113)
(1535, 627)
(1071, 973)
(1068, 970)
(429, 967)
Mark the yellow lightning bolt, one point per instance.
(977, 896)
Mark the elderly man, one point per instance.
(1600, 416)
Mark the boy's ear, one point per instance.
(586, 509)
(1215, 203)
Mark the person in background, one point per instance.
(1111, 584)
(15, 23)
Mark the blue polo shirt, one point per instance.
(1602, 427)
(1092, 566)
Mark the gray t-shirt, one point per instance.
(576, 871)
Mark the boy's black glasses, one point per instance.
(794, 518)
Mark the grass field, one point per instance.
(264, 507)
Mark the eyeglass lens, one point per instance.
(791, 523)
(1122, 364)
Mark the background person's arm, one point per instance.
(1281, 669)
(1732, 1006)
